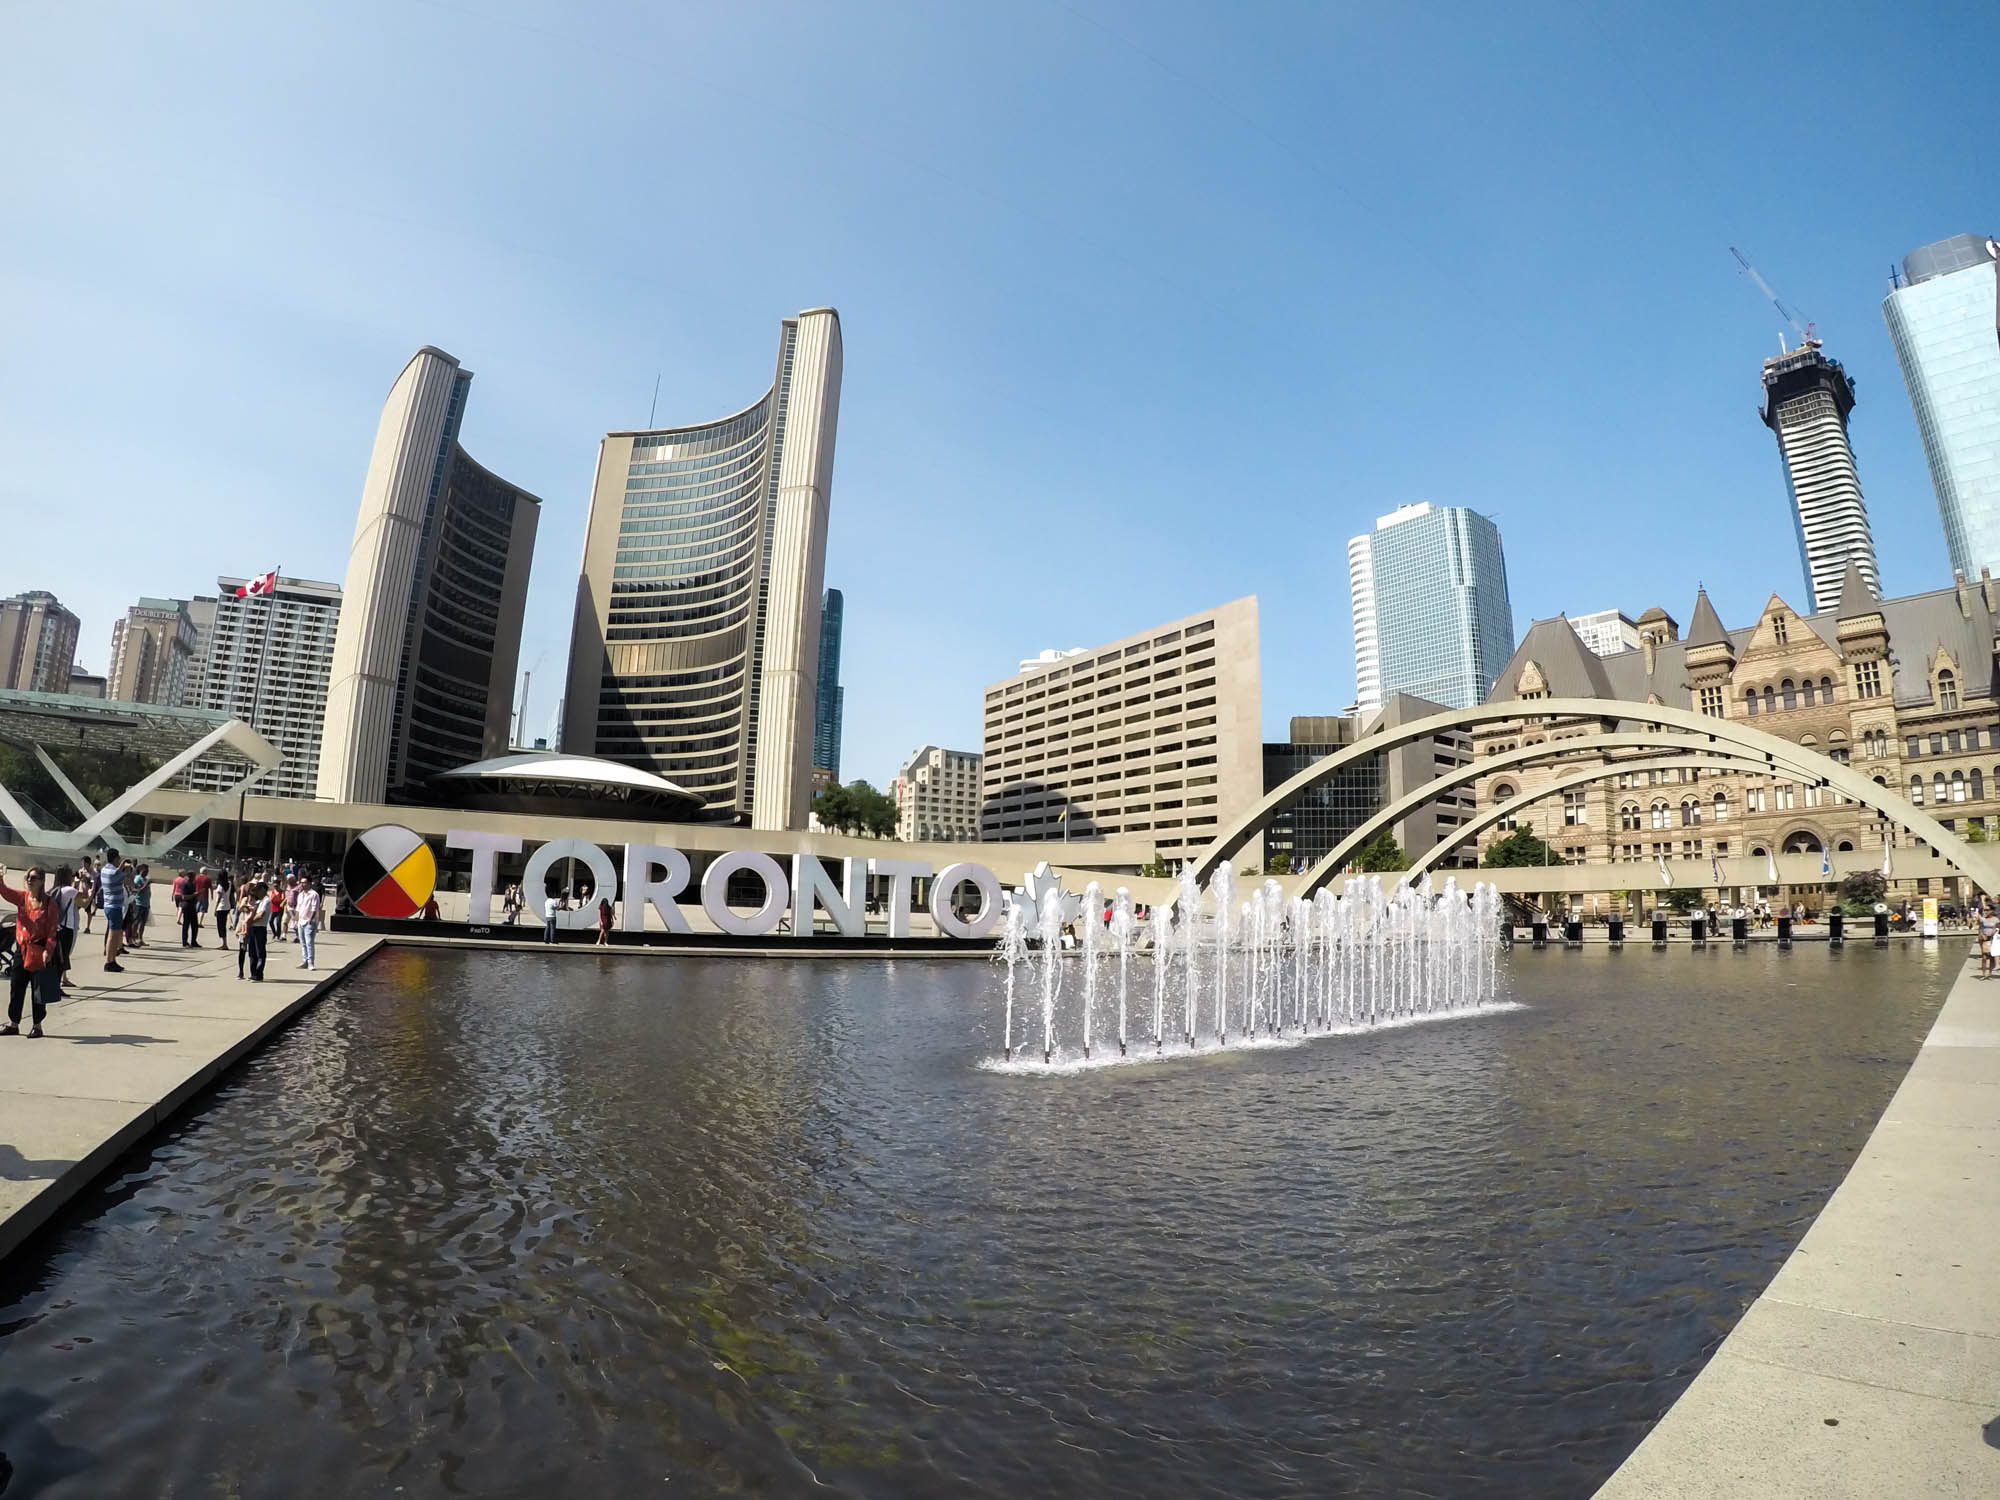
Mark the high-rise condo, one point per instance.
(1806, 401)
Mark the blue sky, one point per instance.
(1147, 306)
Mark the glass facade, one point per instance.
(1306, 831)
(1945, 325)
(1444, 626)
(828, 703)
(689, 567)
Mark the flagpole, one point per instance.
(257, 693)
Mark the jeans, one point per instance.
(190, 925)
(307, 933)
(548, 929)
(251, 947)
(43, 984)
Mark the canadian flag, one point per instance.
(268, 584)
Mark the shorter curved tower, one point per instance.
(430, 627)
(695, 652)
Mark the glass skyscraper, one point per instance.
(1944, 319)
(1431, 613)
(828, 702)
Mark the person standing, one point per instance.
(112, 897)
(36, 950)
(603, 923)
(86, 891)
(67, 899)
(305, 921)
(142, 905)
(550, 907)
(203, 889)
(256, 915)
(223, 894)
(510, 904)
(190, 910)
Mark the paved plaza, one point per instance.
(1871, 1365)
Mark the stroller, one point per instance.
(7, 954)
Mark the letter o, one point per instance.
(715, 891)
(603, 878)
(948, 880)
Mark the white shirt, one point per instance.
(550, 907)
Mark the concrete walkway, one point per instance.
(126, 1051)
(1870, 1367)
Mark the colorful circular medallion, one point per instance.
(389, 872)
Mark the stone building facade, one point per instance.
(1901, 689)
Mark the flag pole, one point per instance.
(257, 692)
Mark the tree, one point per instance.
(856, 808)
(1157, 868)
(1680, 899)
(874, 812)
(1382, 855)
(1279, 864)
(1860, 891)
(1519, 850)
(1975, 831)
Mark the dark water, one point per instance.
(508, 1225)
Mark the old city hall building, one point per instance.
(1900, 689)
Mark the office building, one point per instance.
(85, 685)
(422, 679)
(269, 660)
(1431, 613)
(1806, 401)
(201, 614)
(37, 643)
(150, 652)
(1944, 319)
(1157, 734)
(1308, 829)
(937, 796)
(695, 650)
(1605, 632)
(830, 698)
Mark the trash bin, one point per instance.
(1881, 924)
(1836, 926)
(1698, 929)
(1541, 930)
(1739, 928)
(1659, 928)
(1784, 932)
(1617, 929)
(1573, 930)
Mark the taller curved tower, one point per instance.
(696, 646)
(430, 624)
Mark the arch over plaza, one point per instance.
(1581, 776)
(1666, 758)
(1675, 728)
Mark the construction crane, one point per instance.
(1803, 330)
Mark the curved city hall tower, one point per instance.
(430, 624)
(697, 637)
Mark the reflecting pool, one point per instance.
(488, 1224)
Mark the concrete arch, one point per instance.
(1679, 727)
(1582, 776)
(1338, 857)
